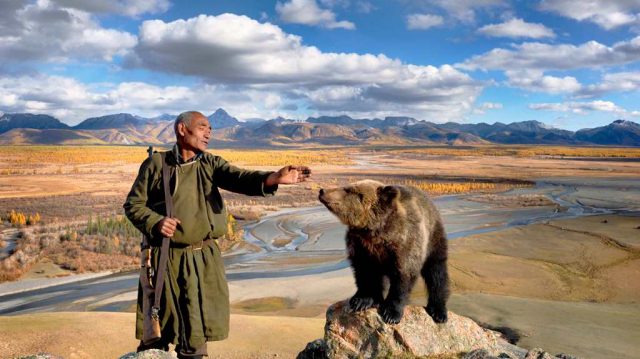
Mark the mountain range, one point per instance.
(128, 129)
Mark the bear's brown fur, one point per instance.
(395, 233)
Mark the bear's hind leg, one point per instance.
(436, 279)
(369, 282)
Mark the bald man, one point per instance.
(195, 303)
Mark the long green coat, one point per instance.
(195, 303)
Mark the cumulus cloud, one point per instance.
(517, 28)
(122, 7)
(613, 82)
(307, 12)
(607, 14)
(533, 80)
(237, 50)
(48, 33)
(583, 108)
(539, 56)
(423, 21)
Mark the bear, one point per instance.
(394, 234)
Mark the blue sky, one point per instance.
(565, 63)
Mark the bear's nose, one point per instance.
(321, 191)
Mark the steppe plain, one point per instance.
(544, 245)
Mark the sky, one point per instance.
(569, 64)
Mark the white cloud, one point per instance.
(423, 21)
(464, 10)
(486, 106)
(308, 12)
(48, 33)
(517, 28)
(534, 80)
(614, 82)
(122, 7)
(539, 56)
(237, 50)
(608, 14)
(583, 108)
(365, 7)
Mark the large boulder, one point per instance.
(150, 354)
(365, 335)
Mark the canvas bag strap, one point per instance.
(164, 250)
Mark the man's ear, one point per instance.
(388, 194)
(182, 129)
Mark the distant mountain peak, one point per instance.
(622, 122)
(116, 120)
(221, 119)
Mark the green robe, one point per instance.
(195, 303)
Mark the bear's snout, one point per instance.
(321, 196)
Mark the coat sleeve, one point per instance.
(135, 207)
(234, 179)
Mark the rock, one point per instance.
(538, 353)
(316, 349)
(150, 354)
(40, 356)
(365, 335)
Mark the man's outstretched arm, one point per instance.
(288, 175)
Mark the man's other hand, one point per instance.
(167, 226)
(288, 175)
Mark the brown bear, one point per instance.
(395, 233)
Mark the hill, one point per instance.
(128, 129)
(10, 121)
(28, 136)
(619, 132)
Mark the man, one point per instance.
(195, 302)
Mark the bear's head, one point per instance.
(362, 204)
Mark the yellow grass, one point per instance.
(284, 157)
(527, 151)
(21, 156)
(444, 188)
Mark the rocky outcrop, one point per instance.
(364, 335)
(150, 354)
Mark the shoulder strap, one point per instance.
(164, 250)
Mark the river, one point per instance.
(303, 241)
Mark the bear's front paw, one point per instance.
(391, 314)
(357, 303)
(438, 314)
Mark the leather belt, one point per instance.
(193, 246)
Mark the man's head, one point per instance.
(193, 131)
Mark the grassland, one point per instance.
(526, 151)
(26, 159)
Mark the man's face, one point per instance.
(197, 135)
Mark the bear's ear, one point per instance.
(388, 194)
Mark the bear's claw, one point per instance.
(390, 314)
(361, 303)
(439, 315)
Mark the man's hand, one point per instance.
(167, 226)
(288, 175)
